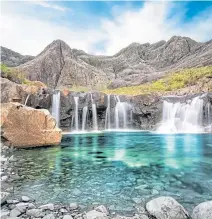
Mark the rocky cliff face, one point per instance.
(145, 111)
(13, 59)
(60, 66)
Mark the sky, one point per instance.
(100, 27)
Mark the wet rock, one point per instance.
(203, 210)
(49, 216)
(95, 214)
(35, 213)
(102, 209)
(25, 198)
(166, 208)
(47, 207)
(73, 206)
(4, 197)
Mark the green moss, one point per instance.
(170, 82)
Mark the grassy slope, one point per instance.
(171, 82)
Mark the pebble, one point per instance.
(67, 216)
(4, 178)
(25, 198)
(35, 213)
(49, 216)
(15, 213)
(73, 206)
(49, 206)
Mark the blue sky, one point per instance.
(102, 27)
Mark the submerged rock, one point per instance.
(203, 211)
(27, 127)
(166, 208)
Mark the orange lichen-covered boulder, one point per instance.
(28, 127)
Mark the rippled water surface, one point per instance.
(120, 170)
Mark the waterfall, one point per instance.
(121, 110)
(76, 113)
(25, 103)
(107, 119)
(84, 117)
(55, 107)
(94, 114)
(208, 117)
(182, 117)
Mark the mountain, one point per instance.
(60, 66)
(13, 59)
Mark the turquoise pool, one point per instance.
(118, 169)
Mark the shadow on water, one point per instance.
(116, 169)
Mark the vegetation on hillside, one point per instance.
(170, 82)
(17, 76)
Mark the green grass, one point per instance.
(171, 82)
(17, 76)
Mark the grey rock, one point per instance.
(4, 214)
(63, 210)
(102, 209)
(10, 201)
(49, 206)
(4, 197)
(166, 208)
(67, 217)
(49, 216)
(203, 210)
(15, 212)
(4, 178)
(25, 198)
(35, 213)
(22, 206)
(73, 206)
(96, 214)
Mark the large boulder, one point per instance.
(166, 208)
(27, 127)
(203, 210)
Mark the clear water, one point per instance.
(119, 170)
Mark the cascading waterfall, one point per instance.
(84, 117)
(94, 114)
(182, 117)
(209, 117)
(55, 107)
(108, 113)
(121, 109)
(76, 114)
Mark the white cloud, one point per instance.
(46, 4)
(154, 21)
